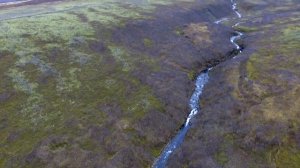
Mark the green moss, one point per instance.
(288, 157)
(23, 144)
(271, 67)
(228, 143)
(221, 158)
(155, 152)
(69, 83)
(286, 45)
(185, 166)
(88, 144)
(291, 35)
(252, 71)
(246, 29)
(2, 162)
(148, 42)
(192, 75)
(57, 146)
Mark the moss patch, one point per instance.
(288, 157)
(148, 42)
(246, 29)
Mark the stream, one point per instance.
(11, 2)
(201, 80)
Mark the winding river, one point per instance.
(201, 80)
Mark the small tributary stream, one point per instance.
(201, 80)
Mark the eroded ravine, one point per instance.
(201, 81)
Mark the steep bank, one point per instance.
(251, 103)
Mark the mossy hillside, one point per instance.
(269, 92)
(117, 7)
(279, 55)
(55, 82)
(286, 45)
(260, 24)
(49, 106)
(252, 8)
(275, 76)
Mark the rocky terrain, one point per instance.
(87, 83)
